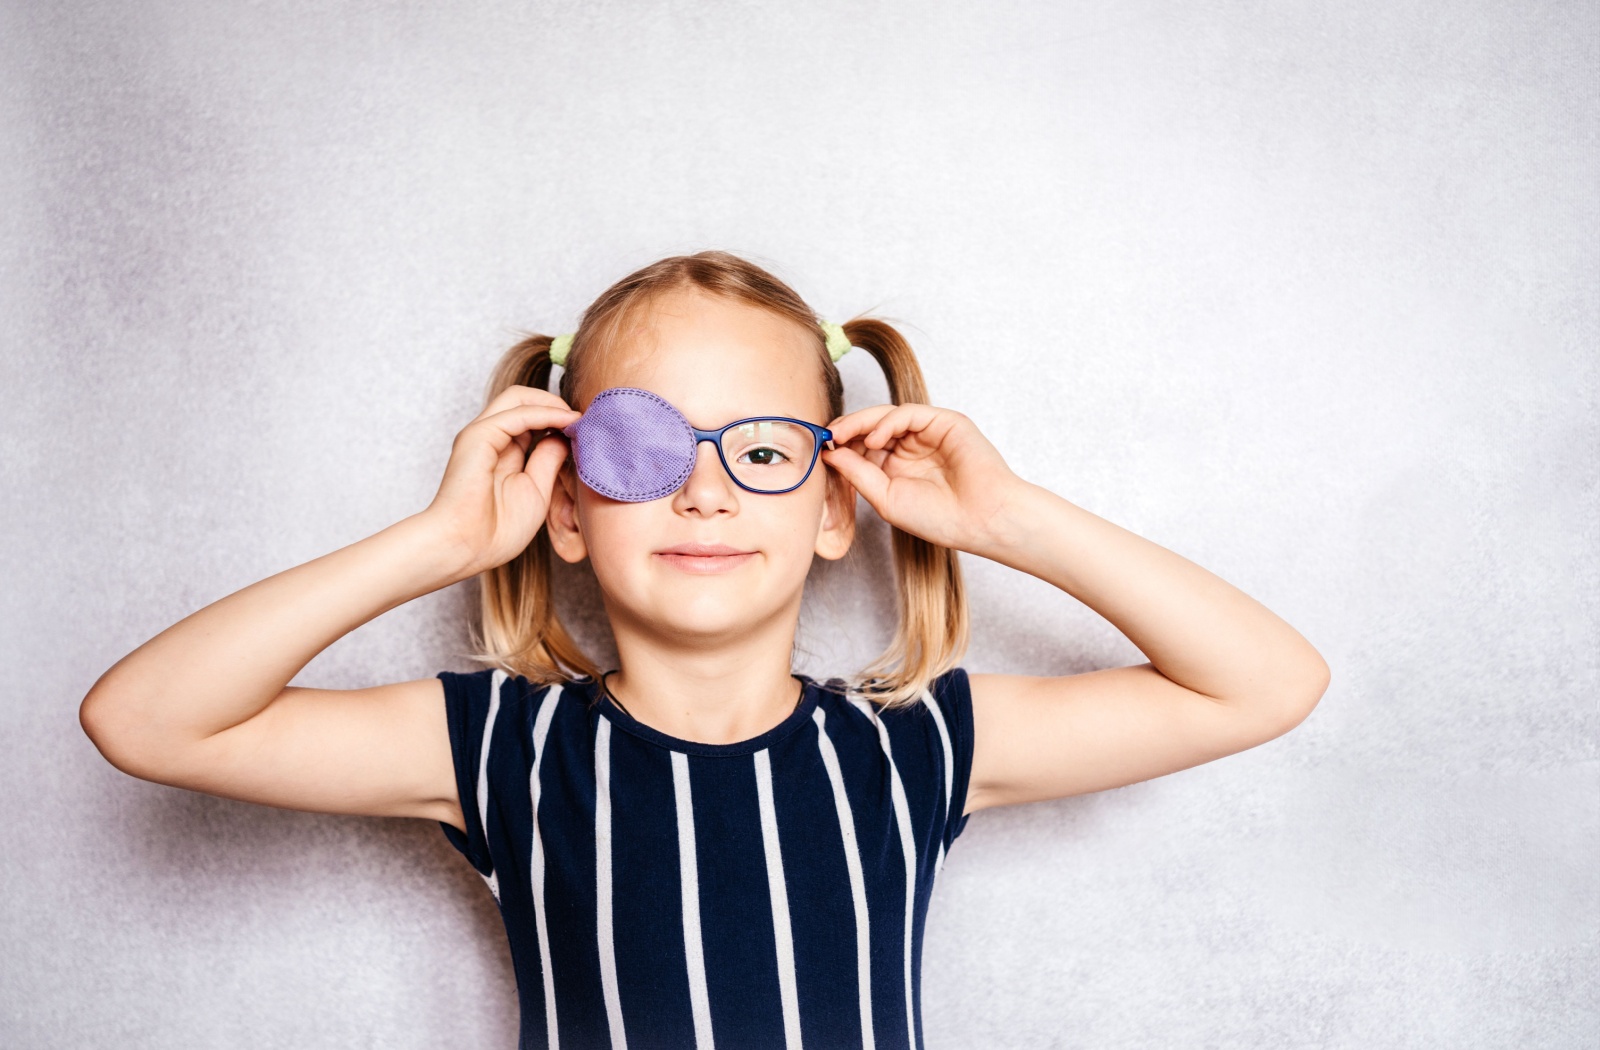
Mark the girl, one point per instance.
(700, 847)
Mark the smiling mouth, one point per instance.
(704, 563)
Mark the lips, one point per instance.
(703, 550)
(704, 557)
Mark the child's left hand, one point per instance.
(926, 470)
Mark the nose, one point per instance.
(708, 488)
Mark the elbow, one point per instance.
(1291, 699)
(105, 725)
(98, 724)
(1304, 698)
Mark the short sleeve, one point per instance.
(952, 696)
(466, 711)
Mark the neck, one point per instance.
(720, 685)
(737, 704)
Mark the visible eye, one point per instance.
(771, 447)
(762, 457)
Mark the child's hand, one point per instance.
(491, 503)
(926, 470)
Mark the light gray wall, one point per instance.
(1304, 292)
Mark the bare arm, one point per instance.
(203, 704)
(1224, 673)
(206, 705)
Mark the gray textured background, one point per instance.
(1305, 292)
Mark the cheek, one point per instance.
(792, 530)
(610, 535)
(615, 529)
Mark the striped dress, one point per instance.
(673, 894)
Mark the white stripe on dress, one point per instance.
(541, 729)
(777, 889)
(602, 879)
(496, 681)
(858, 889)
(908, 849)
(689, 880)
(949, 770)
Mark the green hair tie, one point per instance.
(838, 343)
(559, 347)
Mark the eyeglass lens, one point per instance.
(768, 454)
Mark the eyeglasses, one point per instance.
(633, 445)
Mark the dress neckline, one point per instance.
(611, 710)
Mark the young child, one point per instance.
(699, 847)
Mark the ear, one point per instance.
(561, 518)
(838, 528)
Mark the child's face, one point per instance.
(715, 360)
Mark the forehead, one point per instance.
(715, 359)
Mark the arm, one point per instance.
(1225, 674)
(206, 704)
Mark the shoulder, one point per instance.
(941, 708)
(479, 699)
(942, 694)
(489, 679)
(929, 740)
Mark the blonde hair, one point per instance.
(518, 629)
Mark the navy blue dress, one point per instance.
(769, 893)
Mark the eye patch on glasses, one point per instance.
(632, 445)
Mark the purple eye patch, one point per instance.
(633, 445)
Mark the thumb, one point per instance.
(867, 478)
(545, 460)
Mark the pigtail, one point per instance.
(517, 629)
(933, 631)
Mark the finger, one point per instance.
(512, 458)
(486, 439)
(902, 419)
(861, 473)
(545, 461)
(847, 426)
(524, 420)
(515, 395)
(875, 427)
(875, 456)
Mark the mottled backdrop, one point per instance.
(1308, 293)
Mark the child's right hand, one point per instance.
(495, 492)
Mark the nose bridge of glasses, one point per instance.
(715, 437)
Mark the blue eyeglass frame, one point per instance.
(820, 436)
